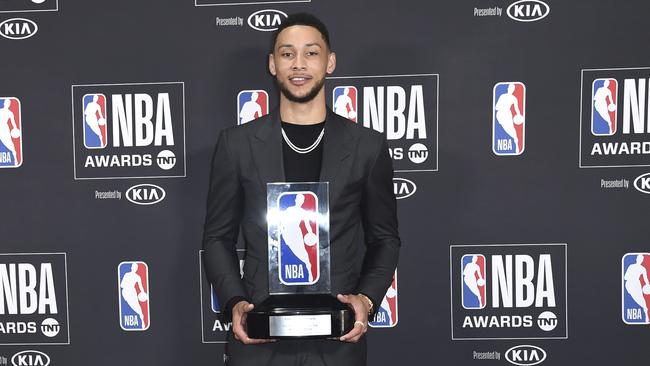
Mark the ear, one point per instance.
(331, 62)
(271, 64)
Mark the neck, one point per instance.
(307, 113)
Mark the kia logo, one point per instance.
(528, 10)
(266, 20)
(642, 183)
(30, 358)
(403, 188)
(18, 28)
(525, 355)
(145, 194)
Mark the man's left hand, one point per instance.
(361, 317)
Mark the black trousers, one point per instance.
(298, 352)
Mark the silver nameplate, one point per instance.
(300, 325)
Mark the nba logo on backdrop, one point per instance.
(473, 281)
(636, 288)
(11, 139)
(94, 115)
(603, 110)
(299, 254)
(509, 118)
(214, 301)
(251, 104)
(123, 131)
(133, 285)
(345, 102)
(386, 316)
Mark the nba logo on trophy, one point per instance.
(509, 118)
(636, 288)
(473, 281)
(251, 104)
(94, 115)
(603, 107)
(133, 285)
(298, 229)
(345, 102)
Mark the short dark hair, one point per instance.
(307, 19)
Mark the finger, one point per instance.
(358, 329)
(355, 339)
(343, 298)
(259, 341)
(238, 327)
(240, 335)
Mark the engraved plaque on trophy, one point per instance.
(300, 304)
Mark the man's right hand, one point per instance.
(239, 314)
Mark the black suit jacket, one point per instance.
(364, 241)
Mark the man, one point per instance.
(303, 141)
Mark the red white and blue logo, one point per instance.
(386, 316)
(509, 118)
(299, 237)
(508, 291)
(636, 288)
(214, 301)
(473, 281)
(94, 115)
(251, 104)
(344, 100)
(604, 94)
(133, 287)
(11, 138)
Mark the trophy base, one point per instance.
(306, 316)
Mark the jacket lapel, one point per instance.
(267, 151)
(337, 147)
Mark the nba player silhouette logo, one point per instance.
(11, 138)
(94, 115)
(636, 288)
(133, 285)
(603, 107)
(251, 104)
(214, 301)
(509, 118)
(386, 316)
(473, 281)
(345, 102)
(298, 229)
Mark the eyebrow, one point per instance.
(292, 46)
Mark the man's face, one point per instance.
(300, 62)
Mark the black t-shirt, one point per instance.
(302, 167)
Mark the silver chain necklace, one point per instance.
(305, 150)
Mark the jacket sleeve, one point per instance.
(379, 215)
(222, 221)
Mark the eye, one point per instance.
(286, 54)
(312, 53)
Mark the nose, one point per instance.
(299, 62)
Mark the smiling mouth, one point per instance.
(299, 80)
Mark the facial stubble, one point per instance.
(313, 92)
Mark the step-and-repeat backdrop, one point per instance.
(519, 132)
